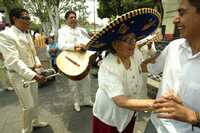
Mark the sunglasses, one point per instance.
(27, 18)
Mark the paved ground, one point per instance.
(56, 107)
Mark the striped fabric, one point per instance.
(39, 41)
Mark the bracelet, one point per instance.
(197, 115)
(197, 124)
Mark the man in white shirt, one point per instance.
(177, 104)
(74, 38)
(20, 60)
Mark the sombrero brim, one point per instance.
(142, 22)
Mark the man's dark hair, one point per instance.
(196, 4)
(16, 12)
(68, 13)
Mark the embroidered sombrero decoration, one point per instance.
(142, 22)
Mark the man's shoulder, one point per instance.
(64, 28)
(79, 27)
(82, 29)
(178, 41)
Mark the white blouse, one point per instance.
(115, 80)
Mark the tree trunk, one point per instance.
(54, 21)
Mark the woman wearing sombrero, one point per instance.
(120, 77)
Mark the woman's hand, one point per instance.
(151, 60)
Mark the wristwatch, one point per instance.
(197, 124)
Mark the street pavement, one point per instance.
(56, 107)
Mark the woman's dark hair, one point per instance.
(68, 13)
(111, 50)
(196, 4)
(16, 12)
(47, 39)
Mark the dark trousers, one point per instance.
(100, 127)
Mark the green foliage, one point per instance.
(113, 8)
(107, 8)
(62, 21)
(80, 8)
(35, 27)
(39, 8)
(9, 4)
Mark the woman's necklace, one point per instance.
(126, 62)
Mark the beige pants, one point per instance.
(4, 81)
(28, 98)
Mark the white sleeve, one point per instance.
(83, 36)
(110, 80)
(12, 59)
(158, 66)
(48, 49)
(37, 61)
(138, 56)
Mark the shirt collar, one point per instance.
(17, 29)
(187, 47)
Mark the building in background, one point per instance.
(170, 10)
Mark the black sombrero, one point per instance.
(142, 22)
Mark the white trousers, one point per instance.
(28, 99)
(81, 90)
(4, 81)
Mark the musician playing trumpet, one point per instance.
(20, 59)
(74, 38)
